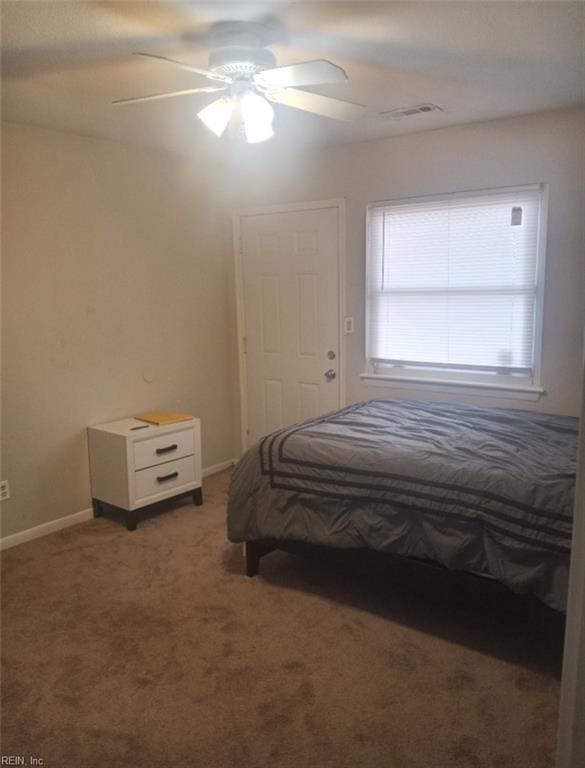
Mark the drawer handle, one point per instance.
(168, 449)
(162, 478)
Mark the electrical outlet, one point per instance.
(4, 490)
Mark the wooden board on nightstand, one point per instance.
(133, 464)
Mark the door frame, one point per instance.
(237, 216)
(570, 749)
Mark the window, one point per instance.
(453, 285)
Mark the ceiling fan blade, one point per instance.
(169, 95)
(187, 67)
(319, 105)
(315, 72)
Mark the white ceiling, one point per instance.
(64, 62)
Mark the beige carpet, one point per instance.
(152, 649)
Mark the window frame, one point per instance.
(444, 377)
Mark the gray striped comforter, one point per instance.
(482, 490)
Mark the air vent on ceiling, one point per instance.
(402, 112)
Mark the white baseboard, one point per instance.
(80, 517)
(215, 468)
(43, 530)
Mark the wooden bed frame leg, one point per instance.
(253, 555)
(254, 551)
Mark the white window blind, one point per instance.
(453, 282)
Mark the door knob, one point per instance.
(330, 374)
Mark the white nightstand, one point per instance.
(134, 464)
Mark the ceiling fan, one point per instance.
(243, 69)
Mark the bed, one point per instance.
(485, 491)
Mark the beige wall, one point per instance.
(115, 269)
(548, 147)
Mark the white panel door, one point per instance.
(290, 287)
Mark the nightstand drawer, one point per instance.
(160, 479)
(155, 450)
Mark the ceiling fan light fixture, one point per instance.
(241, 66)
(257, 116)
(257, 133)
(217, 115)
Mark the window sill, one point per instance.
(454, 386)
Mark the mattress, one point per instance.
(488, 491)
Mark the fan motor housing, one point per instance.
(240, 60)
